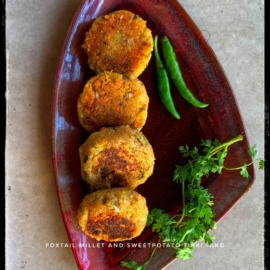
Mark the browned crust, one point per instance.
(110, 99)
(119, 42)
(116, 214)
(116, 157)
(113, 225)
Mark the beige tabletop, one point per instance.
(35, 31)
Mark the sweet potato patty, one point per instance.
(119, 42)
(116, 214)
(111, 99)
(116, 157)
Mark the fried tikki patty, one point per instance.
(116, 157)
(119, 42)
(110, 99)
(113, 215)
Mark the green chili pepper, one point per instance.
(175, 73)
(163, 83)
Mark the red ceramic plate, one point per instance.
(220, 120)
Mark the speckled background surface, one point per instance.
(35, 31)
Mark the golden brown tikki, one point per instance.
(119, 42)
(111, 99)
(116, 214)
(116, 157)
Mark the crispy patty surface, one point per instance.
(111, 99)
(116, 157)
(116, 214)
(119, 42)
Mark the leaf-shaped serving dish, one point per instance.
(220, 120)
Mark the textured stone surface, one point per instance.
(35, 32)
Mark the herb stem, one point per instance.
(183, 200)
(238, 168)
(153, 252)
(225, 144)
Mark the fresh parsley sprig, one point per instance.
(196, 218)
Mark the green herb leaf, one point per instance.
(184, 253)
(197, 217)
(261, 164)
(252, 151)
(133, 265)
(244, 171)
